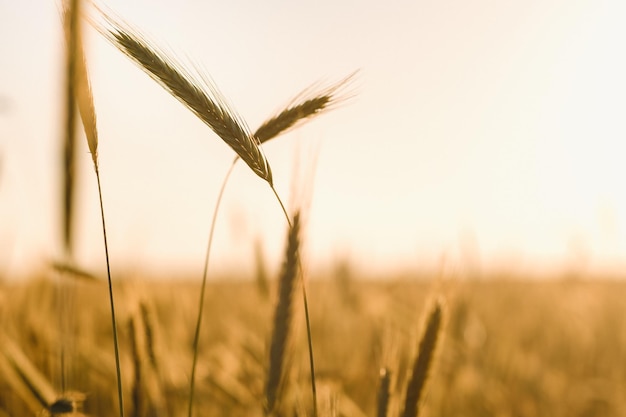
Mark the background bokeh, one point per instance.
(489, 134)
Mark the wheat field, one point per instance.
(337, 344)
(508, 347)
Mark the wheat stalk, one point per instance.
(83, 97)
(383, 392)
(73, 271)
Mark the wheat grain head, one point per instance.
(308, 104)
(196, 91)
(282, 316)
(423, 361)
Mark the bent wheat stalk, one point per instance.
(384, 381)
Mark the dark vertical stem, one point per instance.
(120, 391)
(383, 392)
(196, 337)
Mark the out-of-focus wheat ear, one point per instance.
(36, 382)
(18, 387)
(146, 390)
(196, 91)
(71, 22)
(423, 361)
(262, 282)
(138, 394)
(74, 271)
(282, 317)
(147, 317)
(384, 383)
(307, 105)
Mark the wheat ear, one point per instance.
(197, 92)
(423, 361)
(282, 315)
(71, 29)
(310, 103)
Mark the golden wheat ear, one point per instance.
(282, 317)
(308, 104)
(196, 91)
(78, 75)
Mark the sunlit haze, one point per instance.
(482, 134)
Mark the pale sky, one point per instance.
(485, 133)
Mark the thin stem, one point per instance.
(306, 311)
(113, 320)
(196, 338)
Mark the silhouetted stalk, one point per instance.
(196, 337)
(111, 300)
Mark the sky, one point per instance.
(482, 135)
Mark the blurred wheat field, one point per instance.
(509, 347)
(385, 347)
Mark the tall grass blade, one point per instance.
(196, 337)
